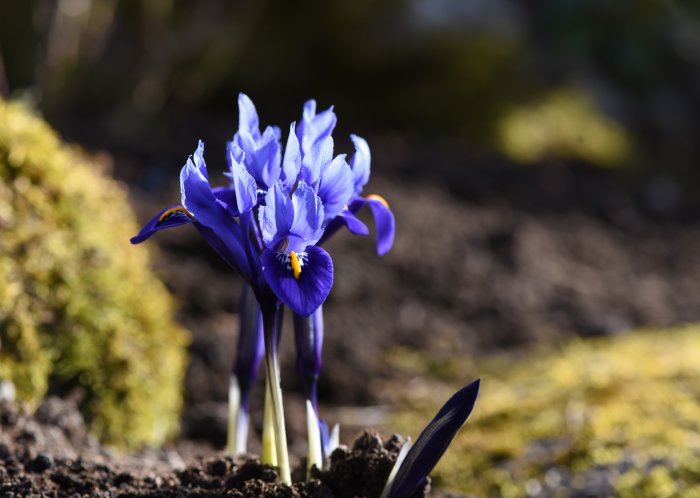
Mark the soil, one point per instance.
(50, 455)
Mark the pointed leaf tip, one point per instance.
(433, 441)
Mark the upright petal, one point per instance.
(200, 201)
(335, 187)
(173, 216)
(276, 216)
(291, 164)
(315, 160)
(360, 163)
(313, 128)
(305, 291)
(307, 227)
(268, 157)
(308, 338)
(247, 116)
(243, 183)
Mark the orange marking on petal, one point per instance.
(379, 198)
(174, 210)
(296, 267)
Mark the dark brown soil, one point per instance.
(50, 455)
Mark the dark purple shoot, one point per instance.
(433, 441)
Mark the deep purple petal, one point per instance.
(433, 441)
(360, 163)
(247, 115)
(308, 338)
(344, 219)
(384, 222)
(199, 200)
(174, 216)
(335, 187)
(226, 197)
(305, 294)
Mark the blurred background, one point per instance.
(542, 160)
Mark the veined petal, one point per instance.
(291, 164)
(276, 216)
(247, 115)
(173, 216)
(360, 163)
(335, 187)
(243, 183)
(307, 227)
(315, 160)
(307, 291)
(268, 157)
(433, 441)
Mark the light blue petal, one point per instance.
(276, 216)
(243, 183)
(247, 116)
(291, 164)
(320, 155)
(307, 227)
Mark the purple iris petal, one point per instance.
(199, 200)
(344, 218)
(360, 163)
(314, 127)
(383, 220)
(276, 216)
(226, 197)
(174, 216)
(433, 442)
(307, 227)
(335, 187)
(243, 183)
(305, 294)
(291, 164)
(316, 160)
(248, 116)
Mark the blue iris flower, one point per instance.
(267, 222)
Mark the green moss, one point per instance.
(79, 307)
(627, 408)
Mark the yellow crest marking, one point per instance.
(379, 198)
(296, 267)
(174, 210)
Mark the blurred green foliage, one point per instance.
(134, 74)
(625, 409)
(79, 306)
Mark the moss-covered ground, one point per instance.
(81, 312)
(617, 416)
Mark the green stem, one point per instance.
(269, 451)
(272, 323)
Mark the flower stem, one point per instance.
(272, 323)
(269, 451)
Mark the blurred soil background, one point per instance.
(541, 159)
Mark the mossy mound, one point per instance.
(79, 307)
(606, 417)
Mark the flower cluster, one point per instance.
(267, 223)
